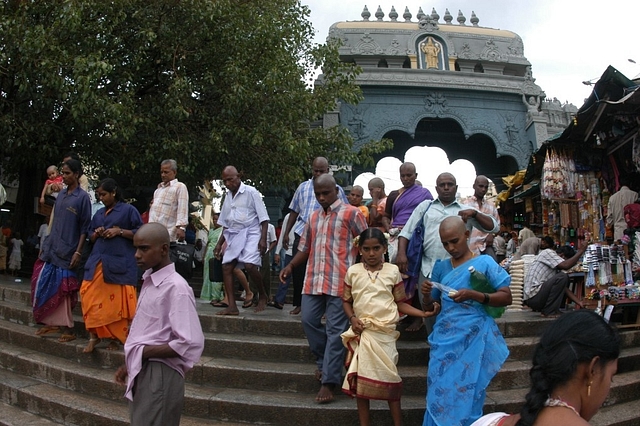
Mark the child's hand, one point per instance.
(357, 325)
(434, 312)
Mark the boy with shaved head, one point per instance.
(327, 244)
(165, 339)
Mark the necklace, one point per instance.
(374, 278)
(558, 402)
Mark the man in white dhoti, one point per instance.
(244, 219)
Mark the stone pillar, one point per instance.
(536, 130)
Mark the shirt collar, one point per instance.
(171, 182)
(437, 200)
(336, 204)
(160, 275)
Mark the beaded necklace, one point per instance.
(558, 402)
(374, 278)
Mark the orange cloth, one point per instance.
(107, 309)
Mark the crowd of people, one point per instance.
(356, 269)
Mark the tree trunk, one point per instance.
(24, 218)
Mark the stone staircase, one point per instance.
(256, 369)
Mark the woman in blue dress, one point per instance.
(467, 349)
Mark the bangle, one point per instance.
(78, 253)
(375, 206)
(486, 299)
(352, 316)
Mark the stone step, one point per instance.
(625, 414)
(14, 416)
(31, 402)
(24, 352)
(22, 348)
(279, 322)
(96, 387)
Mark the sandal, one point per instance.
(219, 305)
(247, 304)
(64, 338)
(113, 346)
(47, 329)
(275, 304)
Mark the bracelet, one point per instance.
(121, 231)
(78, 253)
(486, 299)
(352, 316)
(375, 206)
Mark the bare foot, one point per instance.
(416, 325)
(113, 346)
(295, 311)
(555, 314)
(91, 345)
(228, 311)
(325, 395)
(318, 375)
(262, 303)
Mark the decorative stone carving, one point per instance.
(394, 49)
(435, 103)
(365, 14)
(357, 124)
(491, 52)
(393, 15)
(474, 19)
(465, 52)
(511, 130)
(406, 15)
(447, 17)
(428, 24)
(461, 18)
(516, 48)
(367, 46)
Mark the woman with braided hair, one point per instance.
(573, 365)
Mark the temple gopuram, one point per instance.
(457, 85)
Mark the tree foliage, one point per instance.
(128, 83)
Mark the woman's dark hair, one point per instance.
(110, 185)
(74, 165)
(372, 233)
(574, 338)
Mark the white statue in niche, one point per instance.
(533, 105)
(431, 51)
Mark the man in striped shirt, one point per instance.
(327, 244)
(170, 202)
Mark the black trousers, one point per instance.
(298, 275)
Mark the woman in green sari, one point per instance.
(212, 290)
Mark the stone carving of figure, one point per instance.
(511, 130)
(533, 104)
(430, 50)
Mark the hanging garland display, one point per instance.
(559, 177)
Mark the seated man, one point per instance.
(545, 285)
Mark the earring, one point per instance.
(589, 389)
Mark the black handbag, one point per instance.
(182, 256)
(215, 270)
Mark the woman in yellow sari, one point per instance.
(108, 291)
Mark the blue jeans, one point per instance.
(281, 294)
(324, 340)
